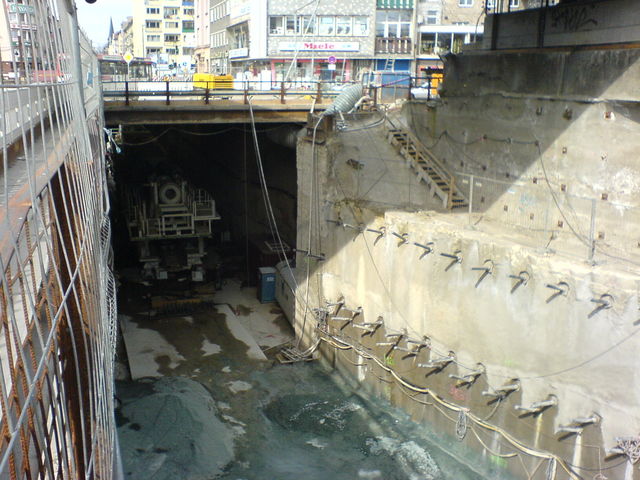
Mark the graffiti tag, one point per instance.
(572, 19)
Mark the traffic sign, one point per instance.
(332, 59)
(128, 57)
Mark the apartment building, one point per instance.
(121, 41)
(219, 42)
(328, 40)
(202, 24)
(445, 26)
(164, 30)
(17, 41)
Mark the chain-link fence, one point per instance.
(57, 292)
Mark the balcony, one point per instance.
(398, 46)
(394, 4)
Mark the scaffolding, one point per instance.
(57, 290)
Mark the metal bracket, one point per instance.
(427, 249)
(403, 238)
(486, 269)
(456, 257)
(562, 288)
(381, 233)
(604, 303)
(521, 279)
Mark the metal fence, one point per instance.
(57, 292)
(594, 229)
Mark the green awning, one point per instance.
(395, 4)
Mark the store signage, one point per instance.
(239, 52)
(19, 8)
(320, 46)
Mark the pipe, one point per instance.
(504, 390)
(439, 363)
(345, 101)
(538, 407)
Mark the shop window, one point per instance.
(428, 43)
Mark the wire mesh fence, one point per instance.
(57, 292)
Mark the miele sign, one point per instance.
(319, 46)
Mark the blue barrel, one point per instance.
(266, 284)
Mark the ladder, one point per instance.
(429, 169)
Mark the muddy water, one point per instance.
(213, 412)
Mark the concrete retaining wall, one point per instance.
(558, 346)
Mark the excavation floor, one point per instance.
(209, 407)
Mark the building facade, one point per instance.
(331, 40)
(121, 41)
(202, 23)
(445, 26)
(164, 30)
(17, 38)
(219, 42)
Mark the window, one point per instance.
(239, 36)
(290, 25)
(187, 50)
(171, 24)
(188, 11)
(219, 11)
(170, 12)
(172, 50)
(187, 26)
(393, 23)
(326, 26)
(152, 24)
(153, 11)
(276, 25)
(343, 25)
(152, 51)
(514, 3)
(465, 3)
(361, 26)
(219, 39)
(153, 38)
(431, 17)
(171, 37)
(307, 24)
(427, 43)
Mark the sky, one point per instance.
(94, 18)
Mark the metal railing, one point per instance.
(401, 45)
(171, 90)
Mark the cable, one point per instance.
(342, 344)
(313, 163)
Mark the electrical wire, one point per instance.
(342, 344)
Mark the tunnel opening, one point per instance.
(190, 205)
(202, 394)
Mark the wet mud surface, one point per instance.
(211, 411)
